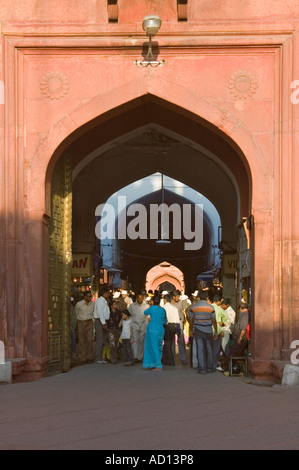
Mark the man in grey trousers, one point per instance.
(101, 315)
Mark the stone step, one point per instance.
(6, 372)
(290, 375)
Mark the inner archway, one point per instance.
(162, 273)
(137, 252)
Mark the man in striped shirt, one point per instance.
(201, 320)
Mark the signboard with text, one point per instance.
(81, 265)
(230, 263)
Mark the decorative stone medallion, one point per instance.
(242, 85)
(54, 85)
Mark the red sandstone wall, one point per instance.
(129, 11)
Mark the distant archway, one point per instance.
(164, 272)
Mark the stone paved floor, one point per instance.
(120, 408)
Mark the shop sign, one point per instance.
(81, 265)
(230, 263)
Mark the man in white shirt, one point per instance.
(175, 300)
(139, 322)
(101, 315)
(173, 319)
(228, 328)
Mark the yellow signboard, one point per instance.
(81, 265)
(230, 263)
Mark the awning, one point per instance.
(111, 269)
(207, 277)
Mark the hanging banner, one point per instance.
(81, 265)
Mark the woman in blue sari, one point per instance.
(154, 336)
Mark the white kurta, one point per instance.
(139, 324)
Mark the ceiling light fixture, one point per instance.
(164, 235)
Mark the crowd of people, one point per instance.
(115, 328)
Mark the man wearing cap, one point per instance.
(165, 292)
(139, 323)
(126, 298)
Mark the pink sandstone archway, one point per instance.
(222, 134)
(164, 272)
(231, 141)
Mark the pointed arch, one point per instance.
(236, 141)
(164, 272)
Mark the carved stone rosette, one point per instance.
(54, 85)
(242, 85)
